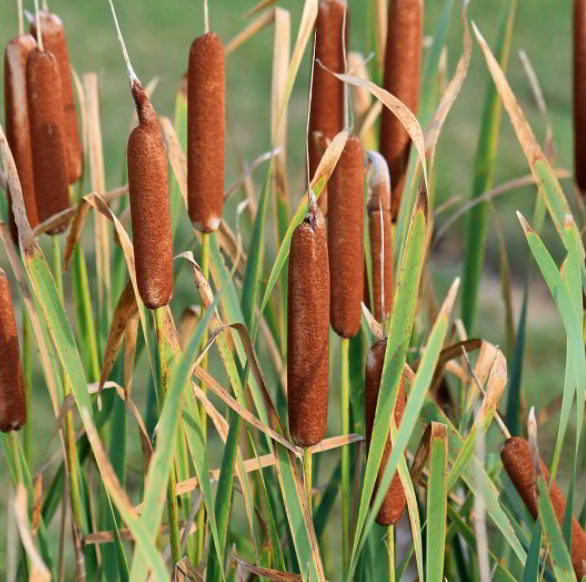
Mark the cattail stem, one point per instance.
(45, 5)
(201, 516)
(39, 31)
(27, 377)
(391, 549)
(20, 17)
(173, 514)
(206, 16)
(308, 474)
(345, 457)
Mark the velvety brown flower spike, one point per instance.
(12, 399)
(308, 308)
(402, 66)
(55, 42)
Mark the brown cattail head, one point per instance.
(17, 121)
(205, 132)
(379, 232)
(307, 332)
(580, 93)
(394, 502)
(12, 400)
(345, 239)
(48, 139)
(402, 65)
(55, 42)
(149, 205)
(517, 460)
(327, 102)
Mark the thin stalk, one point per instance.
(391, 549)
(20, 17)
(72, 460)
(345, 457)
(201, 516)
(27, 376)
(172, 511)
(307, 473)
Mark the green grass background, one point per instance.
(158, 35)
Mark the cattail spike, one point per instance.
(517, 460)
(394, 501)
(308, 297)
(131, 74)
(12, 399)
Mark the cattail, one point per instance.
(394, 502)
(48, 139)
(580, 93)
(17, 121)
(517, 460)
(402, 64)
(12, 400)
(327, 102)
(379, 232)
(55, 42)
(307, 333)
(205, 132)
(345, 239)
(149, 204)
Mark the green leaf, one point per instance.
(484, 164)
(437, 501)
(562, 562)
(531, 570)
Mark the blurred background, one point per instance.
(158, 35)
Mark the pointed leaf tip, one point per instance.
(524, 224)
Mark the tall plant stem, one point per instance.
(201, 516)
(72, 460)
(27, 375)
(345, 457)
(307, 472)
(172, 510)
(391, 549)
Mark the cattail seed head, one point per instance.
(17, 121)
(394, 502)
(327, 103)
(205, 132)
(48, 138)
(149, 205)
(345, 239)
(55, 42)
(12, 400)
(517, 460)
(379, 232)
(307, 332)
(580, 93)
(402, 65)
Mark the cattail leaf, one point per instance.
(531, 570)
(437, 501)
(484, 164)
(555, 200)
(141, 534)
(501, 574)
(322, 174)
(562, 562)
(249, 31)
(491, 372)
(402, 317)
(176, 146)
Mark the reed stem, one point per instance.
(172, 511)
(201, 516)
(307, 473)
(27, 377)
(391, 549)
(345, 458)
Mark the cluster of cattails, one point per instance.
(12, 398)
(580, 93)
(518, 462)
(41, 126)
